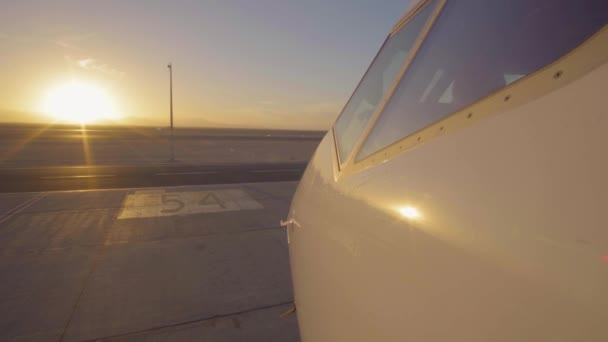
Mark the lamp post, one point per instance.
(170, 66)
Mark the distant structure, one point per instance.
(170, 66)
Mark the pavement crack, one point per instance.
(199, 320)
(98, 255)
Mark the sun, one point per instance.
(79, 102)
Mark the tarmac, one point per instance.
(38, 146)
(189, 263)
(128, 176)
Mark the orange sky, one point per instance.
(235, 64)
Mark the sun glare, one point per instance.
(409, 212)
(79, 102)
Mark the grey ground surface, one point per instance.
(80, 266)
(43, 146)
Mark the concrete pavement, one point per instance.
(197, 263)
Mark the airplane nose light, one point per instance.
(409, 212)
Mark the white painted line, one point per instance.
(185, 173)
(270, 171)
(77, 176)
(21, 207)
(160, 203)
(151, 188)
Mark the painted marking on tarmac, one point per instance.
(21, 207)
(77, 176)
(185, 173)
(155, 203)
(271, 171)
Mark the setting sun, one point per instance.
(79, 102)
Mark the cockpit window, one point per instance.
(377, 82)
(475, 48)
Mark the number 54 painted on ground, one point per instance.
(173, 202)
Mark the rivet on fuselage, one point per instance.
(470, 115)
(507, 98)
(558, 74)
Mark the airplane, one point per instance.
(462, 193)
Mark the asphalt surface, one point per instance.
(132, 176)
(194, 263)
(24, 146)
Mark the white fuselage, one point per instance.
(492, 228)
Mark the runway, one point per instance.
(49, 158)
(33, 146)
(134, 176)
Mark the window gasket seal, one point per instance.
(343, 164)
(584, 58)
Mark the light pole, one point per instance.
(170, 66)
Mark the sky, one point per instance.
(237, 63)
